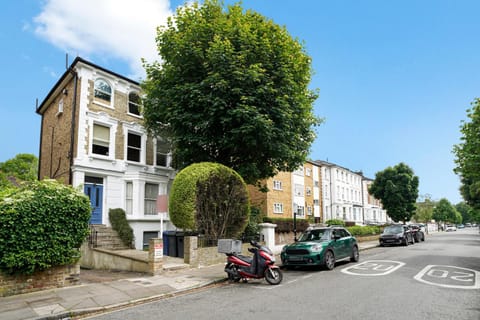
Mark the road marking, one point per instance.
(373, 268)
(449, 277)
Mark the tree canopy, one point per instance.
(468, 157)
(23, 167)
(397, 188)
(231, 88)
(424, 210)
(444, 211)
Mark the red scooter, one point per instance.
(261, 265)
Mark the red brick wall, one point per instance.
(57, 277)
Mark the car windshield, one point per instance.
(315, 235)
(393, 230)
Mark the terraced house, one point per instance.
(92, 136)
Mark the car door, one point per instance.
(340, 243)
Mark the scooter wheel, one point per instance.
(273, 276)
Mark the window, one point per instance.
(134, 147)
(277, 208)
(101, 140)
(129, 198)
(277, 185)
(309, 210)
(151, 193)
(103, 90)
(316, 183)
(162, 153)
(309, 191)
(316, 202)
(300, 211)
(308, 172)
(134, 103)
(299, 191)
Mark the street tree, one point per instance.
(444, 211)
(467, 212)
(468, 157)
(232, 87)
(23, 167)
(424, 209)
(397, 188)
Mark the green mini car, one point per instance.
(321, 246)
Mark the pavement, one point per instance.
(102, 291)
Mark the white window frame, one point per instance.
(278, 207)
(168, 155)
(308, 191)
(99, 100)
(138, 149)
(277, 185)
(148, 201)
(137, 105)
(92, 140)
(129, 197)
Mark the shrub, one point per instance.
(42, 224)
(210, 198)
(336, 222)
(364, 230)
(119, 222)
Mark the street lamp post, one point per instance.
(295, 206)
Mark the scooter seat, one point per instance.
(245, 258)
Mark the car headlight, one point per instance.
(317, 248)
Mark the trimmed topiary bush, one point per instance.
(209, 198)
(119, 222)
(42, 225)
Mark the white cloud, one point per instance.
(124, 29)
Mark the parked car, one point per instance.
(460, 226)
(396, 234)
(450, 227)
(322, 246)
(468, 225)
(417, 232)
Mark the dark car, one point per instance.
(396, 234)
(321, 247)
(418, 234)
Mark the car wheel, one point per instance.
(329, 260)
(405, 241)
(423, 237)
(355, 255)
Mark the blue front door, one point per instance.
(95, 193)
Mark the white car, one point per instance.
(450, 228)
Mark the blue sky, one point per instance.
(395, 77)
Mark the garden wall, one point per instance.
(61, 276)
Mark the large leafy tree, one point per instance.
(23, 167)
(444, 211)
(397, 188)
(231, 88)
(424, 209)
(468, 157)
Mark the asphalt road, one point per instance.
(435, 279)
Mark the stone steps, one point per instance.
(105, 237)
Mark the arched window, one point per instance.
(103, 90)
(134, 103)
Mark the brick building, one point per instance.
(92, 136)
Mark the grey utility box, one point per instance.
(229, 246)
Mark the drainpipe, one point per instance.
(39, 145)
(72, 130)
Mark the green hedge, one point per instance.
(335, 222)
(364, 230)
(119, 222)
(42, 225)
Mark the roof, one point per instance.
(68, 74)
